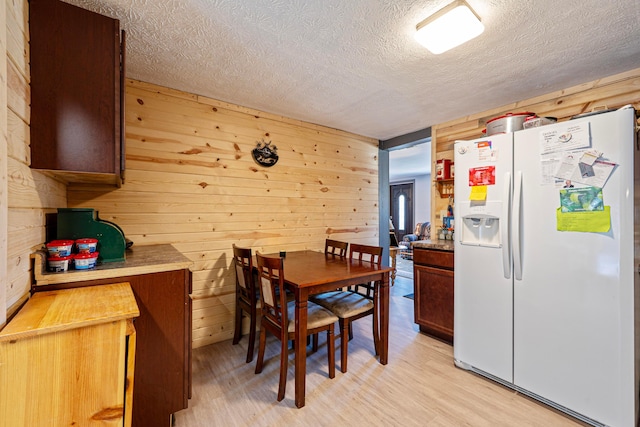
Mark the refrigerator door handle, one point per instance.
(517, 209)
(506, 226)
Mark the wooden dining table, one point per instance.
(309, 272)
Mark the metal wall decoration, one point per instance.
(265, 154)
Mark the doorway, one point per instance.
(401, 207)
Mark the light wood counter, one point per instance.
(139, 260)
(55, 311)
(68, 357)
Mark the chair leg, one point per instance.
(237, 334)
(350, 332)
(376, 323)
(344, 343)
(284, 361)
(331, 350)
(252, 335)
(261, 346)
(315, 342)
(376, 333)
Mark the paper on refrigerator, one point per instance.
(556, 146)
(585, 222)
(567, 138)
(593, 175)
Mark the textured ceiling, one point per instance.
(408, 163)
(354, 64)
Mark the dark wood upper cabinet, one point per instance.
(77, 85)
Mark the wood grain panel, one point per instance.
(31, 189)
(28, 194)
(18, 276)
(3, 165)
(22, 239)
(25, 241)
(249, 219)
(17, 51)
(149, 110)
(18, 92)
(170, 155)
(192, 182)
(18, 138)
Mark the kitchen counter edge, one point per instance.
(139, 260)
(441, 245)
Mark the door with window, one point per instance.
(402, 208)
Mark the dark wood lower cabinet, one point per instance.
(433, 292)
(162, 381)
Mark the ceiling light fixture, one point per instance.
(449, 27)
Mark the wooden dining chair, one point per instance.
(332, 248)
(354, 303)
(246, 296)
(372, 254)
(278, 317)
(336, 247)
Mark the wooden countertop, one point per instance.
(54, 311)
(139, 260)
(441, 245)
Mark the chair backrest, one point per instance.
(243, 263)
(272, 293)
(371, 254)
(335, 247)
(368, 253)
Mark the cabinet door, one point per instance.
(162, 381)
(433, 301)
(75, 89)
(71, 377)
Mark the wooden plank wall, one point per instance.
(191, 181)
(4, 209)
(29, 193)
(611, 92)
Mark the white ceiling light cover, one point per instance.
(449, 27)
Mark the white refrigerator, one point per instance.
(547, 291)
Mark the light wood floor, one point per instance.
(419, 386)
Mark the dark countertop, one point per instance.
(441, 245)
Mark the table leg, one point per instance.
(300, 345)
(384, 320)
(393, 252)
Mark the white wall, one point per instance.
(422, 198)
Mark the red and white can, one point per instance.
(443, 169)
